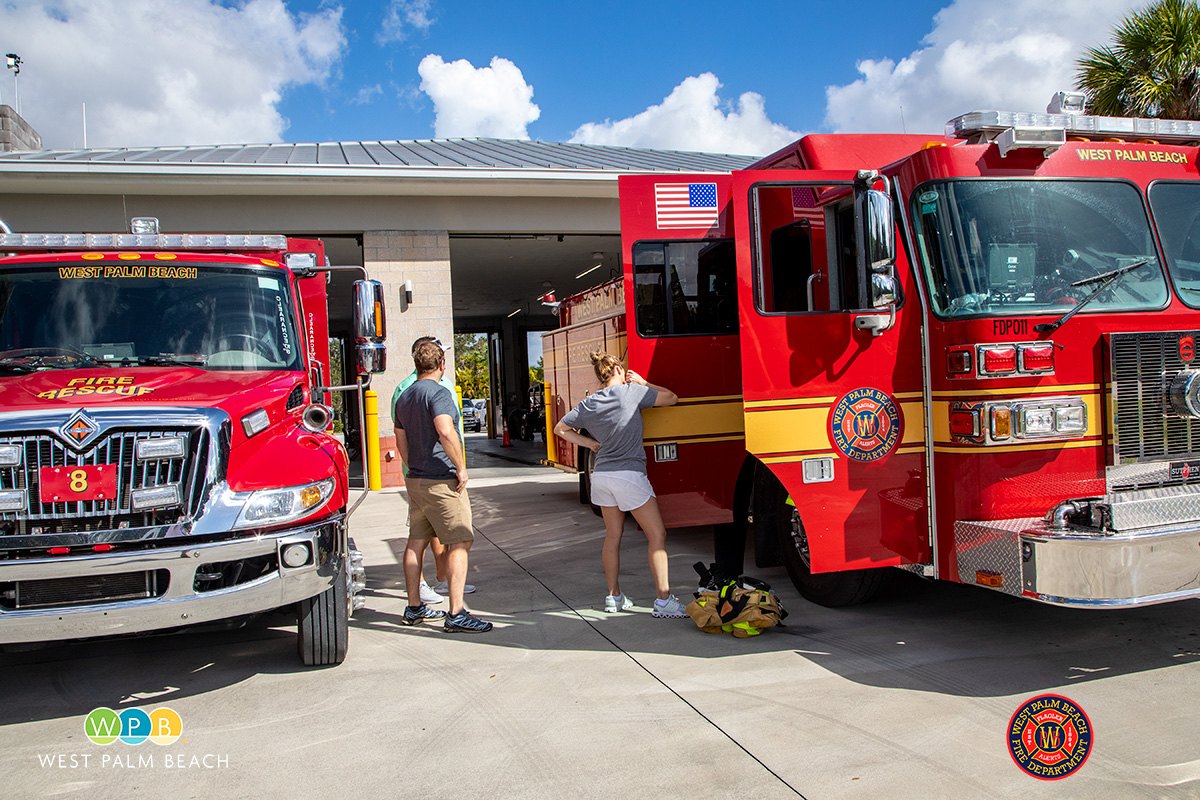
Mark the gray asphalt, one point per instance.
(909, 696)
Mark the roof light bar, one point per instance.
(1045, 139)
(990, 124)
(140, 241)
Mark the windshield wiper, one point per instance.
(1105, 280)
(47, 358)
(17, 365)
(167, 361)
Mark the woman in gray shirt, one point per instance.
(613, 418)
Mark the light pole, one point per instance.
(14, 63)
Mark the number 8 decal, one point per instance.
(78, 480)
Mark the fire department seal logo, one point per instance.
(1050, 737)
(865, 424)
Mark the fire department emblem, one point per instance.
(79, 429)
(1050, 737)
(865, 424)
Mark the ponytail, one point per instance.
(605, 365)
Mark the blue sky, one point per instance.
(697, 76)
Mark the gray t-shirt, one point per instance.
(413, 414)
(613, 417)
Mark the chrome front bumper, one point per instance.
(180, 604)
(1127, 549)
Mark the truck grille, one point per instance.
(1143, 365)
(117, 448)
(85, 590)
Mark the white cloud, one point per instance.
(980, 54)
(492, 101)
(693, 117)
(366, 94)
(157, 72)
(401, 16)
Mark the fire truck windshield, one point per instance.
(1176, 209)
(1002, 247)
(168, 313)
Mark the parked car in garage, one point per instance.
(472, 416)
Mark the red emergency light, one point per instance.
(998, 360)
(1037, 357)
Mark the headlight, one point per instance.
(273, 506)
(11, 455)
(1057, 417)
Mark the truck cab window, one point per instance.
(685, 288)
(790, 268)
(807, 255)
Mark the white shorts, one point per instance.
(624, 489)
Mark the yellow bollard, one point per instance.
(551, 455)
(371, 412)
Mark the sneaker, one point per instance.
(415, 616)
(619, 603)
(671, 608)
(443, 587)
(428, 595)
(462, 622)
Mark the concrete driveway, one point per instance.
(909, 696)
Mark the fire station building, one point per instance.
(478, 230)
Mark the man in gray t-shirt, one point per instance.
(416, 409)
(426, 419)
(613, 416)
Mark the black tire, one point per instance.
(586, 468)
(585, 487)
(323, 624)
(829, 589)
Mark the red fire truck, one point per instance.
(164, 452)
(970, 356)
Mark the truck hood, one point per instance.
(236, 393)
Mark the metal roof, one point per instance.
(424, 154)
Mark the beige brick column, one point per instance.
(393, 257)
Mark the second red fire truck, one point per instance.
(970, 355)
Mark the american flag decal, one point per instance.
(685, 205)
(802, 200)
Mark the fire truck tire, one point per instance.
(323, 624)
(829, 589)
(586, 467)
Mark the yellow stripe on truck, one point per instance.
(687, 421)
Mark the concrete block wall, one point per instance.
(15, 133)
(423, 257)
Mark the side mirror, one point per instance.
(879, 247)
(883, 291)
(370, 324)
(370, 328)
(370, 358)
(880, 232)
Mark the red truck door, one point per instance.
(832, 408)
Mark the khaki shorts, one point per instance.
(435, 509)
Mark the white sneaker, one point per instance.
(428, 595)
(443, 587)
(672, 608)
(619, 603)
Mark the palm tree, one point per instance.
(1152, 68)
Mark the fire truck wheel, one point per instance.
(586, 467)
(323, 624)
(829, 589)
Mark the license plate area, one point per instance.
(78, 484)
